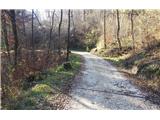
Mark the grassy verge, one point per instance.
(49, 89)
(118, 61)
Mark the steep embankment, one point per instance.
(143, 65)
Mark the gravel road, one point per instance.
(101, 86)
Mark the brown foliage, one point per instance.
(12, 78)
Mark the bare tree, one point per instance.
(105, 29)
(32, 40)
(73, 23)
(118, 30)
(24, 27)
(84, 15)
(59, 32)
(132, 30)
(14, 29)
(51, 29)
(3, 19)
(68, 40)
(23, 17)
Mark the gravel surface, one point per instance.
(101, 86)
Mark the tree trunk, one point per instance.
(68, 40)
(74, 28)
(50, 34)
(84, 15)
(32, 40)
(3, 19)
(24, 28)
(14, 29)
(118, 30)
(59, 32)
(132, 30)
(105, 29)
(84, 20)
(73, 23)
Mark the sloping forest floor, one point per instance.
(143, 66)
(47, 90)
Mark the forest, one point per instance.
(44, 53)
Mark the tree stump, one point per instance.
(67, 65)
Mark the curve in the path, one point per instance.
(101, 86)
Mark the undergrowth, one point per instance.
(46, 87)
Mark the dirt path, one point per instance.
(101, 86)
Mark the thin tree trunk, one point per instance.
(68, 40)
(3, 19)
(132, 30)
(51, 29)
(118, 30)
(105, 29)
(73, 23)
(84, 15)
(84, 20)
(59, 32)
(14, 29)
(32, 40)
(24, 28)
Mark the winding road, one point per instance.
(101, 86)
